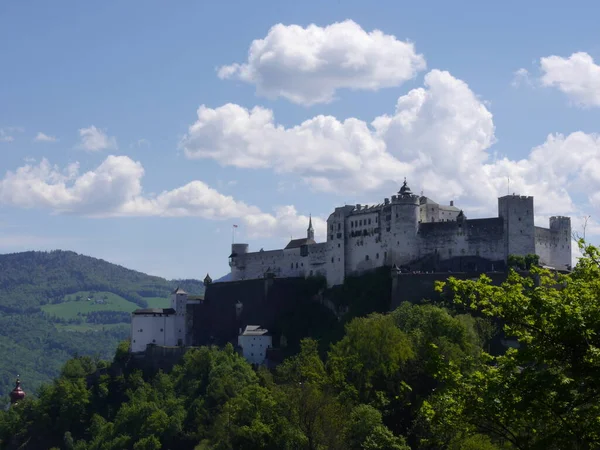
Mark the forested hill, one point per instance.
(54, 305)
(30, 280)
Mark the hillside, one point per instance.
(54, 305)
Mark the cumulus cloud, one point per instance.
(442, 128)
(42, 137)
(114, 189)
(308, 65)
(577, 76)
(439, 136)
(93, 139)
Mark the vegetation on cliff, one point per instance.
(417, 377)
(54, 305)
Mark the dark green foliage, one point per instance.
(31, 279)
(364, 294)
(418, 377)
(523, 262)
(32, 343)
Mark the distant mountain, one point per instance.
(56, 304)
(223, 278)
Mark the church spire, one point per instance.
(310, 232)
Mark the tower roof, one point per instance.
(405, 190)
(310, 226)
(179, 291)
(17, 394)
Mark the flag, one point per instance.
(235, 226)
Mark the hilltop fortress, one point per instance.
(413, 233)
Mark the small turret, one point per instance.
(310, 232)
(207, 280)
(17, 394)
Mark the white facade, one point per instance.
(409, 230)
(254, 342)
(160, 326)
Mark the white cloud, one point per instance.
(520, 77)
(114, 189)
(439, 129)
(308, 65)
(5, 136)
(41, 137)
(439, 136)
(576, 76)
(94, 139)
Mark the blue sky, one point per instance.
(128, 171)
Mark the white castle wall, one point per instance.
(151, 329)
(404, 230)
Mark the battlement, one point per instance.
(516, 197)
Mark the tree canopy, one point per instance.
(418, 377)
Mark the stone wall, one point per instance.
(278, 304)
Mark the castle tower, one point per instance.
(310, 232)
(403, 223)
(560, 254)
(519, 229)
(237, 261)
(179, 303)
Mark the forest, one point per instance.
(419, 377)
(36, 343)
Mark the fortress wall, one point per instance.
(318, 255)
(271, 303)
(364, 253)
(416, 287)
(284, 263)
(480, 238)
(545, 240)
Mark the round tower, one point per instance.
(404, 220)
(406, 211)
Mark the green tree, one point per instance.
(545, 394)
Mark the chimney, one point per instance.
(451, 202)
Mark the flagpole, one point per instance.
(232, 234)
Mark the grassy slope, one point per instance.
(35, 286)
(72, 308)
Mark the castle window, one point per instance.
(153, 340)
(385, 255)
(369, 221)
(339, 245)
(376, 255)
(296, 265)
(339, 226)
(161, 329)
(366, 257)
(292, 266)
(331, 237)
(332, 259)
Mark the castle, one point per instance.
(413, 233)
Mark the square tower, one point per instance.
(519, 228)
